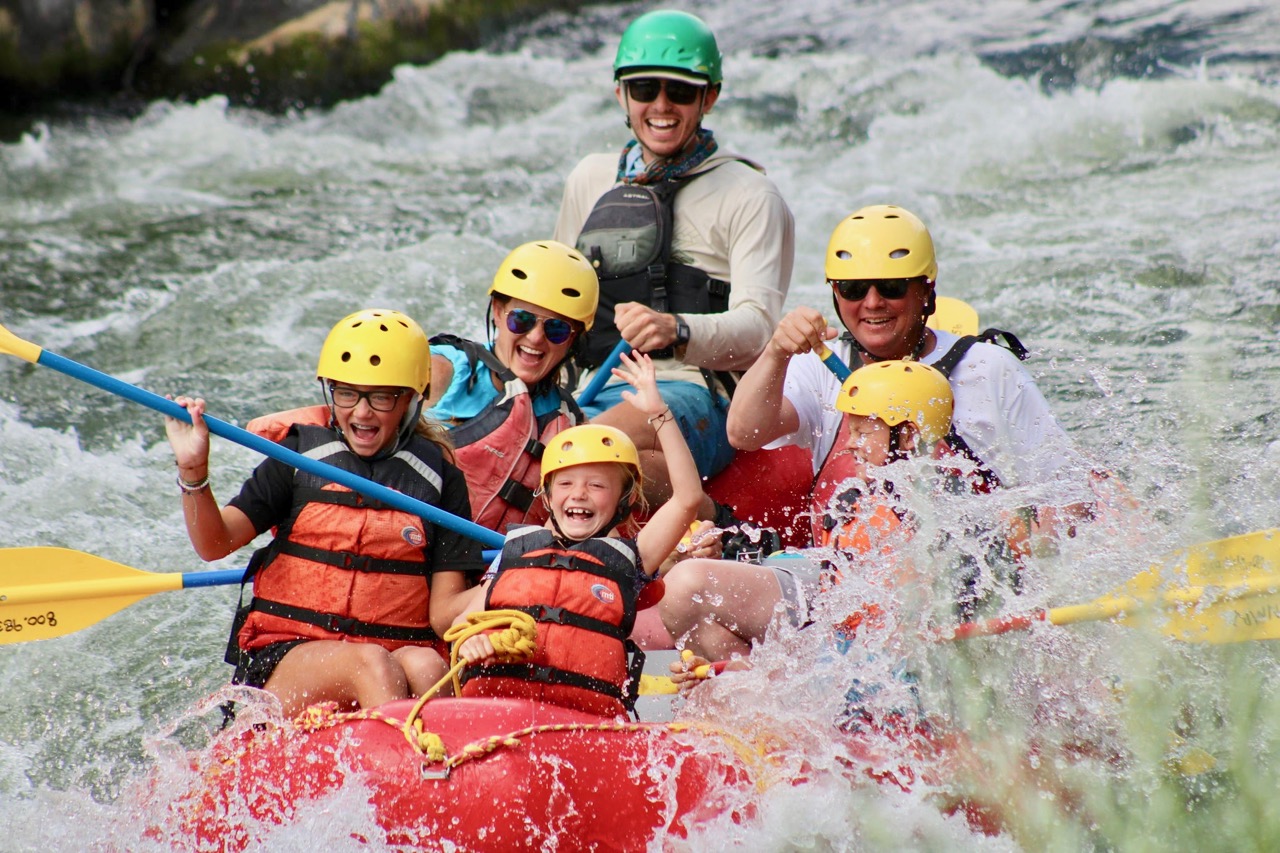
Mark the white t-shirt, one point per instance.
(999, 412)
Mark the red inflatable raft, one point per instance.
(477, 774)
(509, 775)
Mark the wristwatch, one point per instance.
(682, 331)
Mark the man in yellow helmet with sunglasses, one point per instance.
(882, 270)
(694, 246)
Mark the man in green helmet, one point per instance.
(694, 246)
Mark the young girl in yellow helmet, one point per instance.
(892, 410)
(581, 575)
(348, 597)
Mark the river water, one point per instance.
(1102, 178)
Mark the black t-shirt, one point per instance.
(266, 498)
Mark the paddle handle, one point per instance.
(833, 363)
(602, 376)
(221, 428)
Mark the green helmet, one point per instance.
(670, 43)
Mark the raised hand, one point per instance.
(636, 369)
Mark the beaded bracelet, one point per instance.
(193, 488)
(662, 417)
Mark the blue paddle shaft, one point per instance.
(602, 376)
(835, 365)
(364, 486)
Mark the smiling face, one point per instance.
(663, 128)
(584, 498)
(869, 440)
(530, 356)
(367, 430)
(887, 328)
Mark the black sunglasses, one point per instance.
(349, 398)
(856, 289)
(644, 90)
(521, 322)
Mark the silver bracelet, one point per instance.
(193, 488)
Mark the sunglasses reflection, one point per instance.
(522, 322)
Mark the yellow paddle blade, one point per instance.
(1225, 591)
(49, 592)
(11, 344)
(955, 316)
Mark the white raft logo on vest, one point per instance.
(603, 593)
(413, 536)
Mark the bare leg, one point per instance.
(423, 667)
(718, 607)
(653, 462)
(355, 675)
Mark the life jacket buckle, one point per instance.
(554, 615)
(338, 624)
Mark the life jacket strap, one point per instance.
(561, 616)
(352, 562)
(342, 624)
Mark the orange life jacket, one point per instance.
(500, 449)
(344, 566)
(584, 598)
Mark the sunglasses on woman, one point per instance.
(521, 322)
(856, 289)
(349, 398)
(644, 90)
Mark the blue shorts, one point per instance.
(701, 417)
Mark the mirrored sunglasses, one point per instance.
(856, 289)
(349, 398)
(645, 90)
(521, 322)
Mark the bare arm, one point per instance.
(451, 598)
(441, 377)
(671, 521)
(759, 412)
(214, 532)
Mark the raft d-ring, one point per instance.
(434, 772)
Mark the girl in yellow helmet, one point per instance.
(580, 575)
(348, 597)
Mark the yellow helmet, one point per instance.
(553, 276)
(901, 392)
(377, 347)
(880, 241)
(588, 443)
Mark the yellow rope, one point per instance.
(514, 639)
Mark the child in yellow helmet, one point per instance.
(892, 410)
(583, 574)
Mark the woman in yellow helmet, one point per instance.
(347, 598)
(580, 575)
